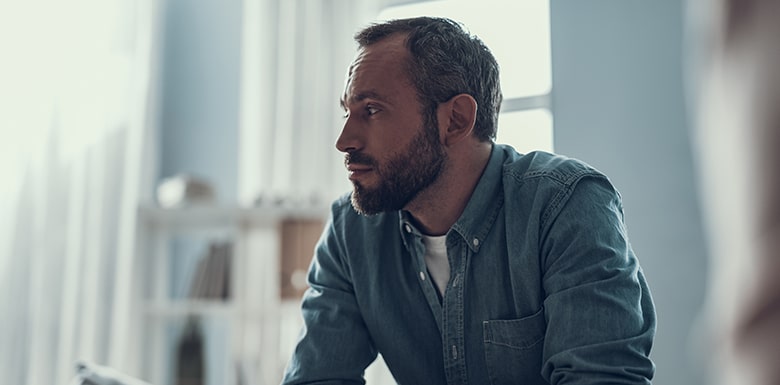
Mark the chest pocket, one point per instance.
(513, 349)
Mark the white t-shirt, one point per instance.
(436, 260)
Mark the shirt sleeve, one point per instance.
(334, 346)
(600, 315)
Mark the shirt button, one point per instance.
(475, 242)
(455, 281)
(408, 228)
(422, 276)
(454, 352)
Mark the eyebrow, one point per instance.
(359, 97)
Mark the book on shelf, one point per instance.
(212, 276)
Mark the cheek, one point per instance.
(392, 138)
(385, 144)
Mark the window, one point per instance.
(518, 34)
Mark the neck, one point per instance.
(439, 206)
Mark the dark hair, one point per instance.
(446, 60)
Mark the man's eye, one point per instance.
(371, 110)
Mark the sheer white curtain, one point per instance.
(295, 56)
(74, 106)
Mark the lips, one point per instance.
(358, 165)
(357, 171)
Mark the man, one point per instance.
(460, 260)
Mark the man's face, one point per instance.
(392, 152)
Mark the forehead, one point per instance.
(379, 69)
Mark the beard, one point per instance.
(401, 177)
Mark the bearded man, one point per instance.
(458, 259)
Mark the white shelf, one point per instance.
(203, 307)
(251, 319)
(216, 216)
(248, 322)
(175, 308)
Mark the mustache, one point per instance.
(359, 158)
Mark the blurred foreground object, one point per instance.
(88, 373)
(184, 190)
(738, 141)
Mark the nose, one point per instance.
(349, 140)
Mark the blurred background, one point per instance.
(167, 167)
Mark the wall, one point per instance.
(618, 103)
(200, 92)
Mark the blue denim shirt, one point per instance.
(544, 288)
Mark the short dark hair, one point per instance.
(446, 60)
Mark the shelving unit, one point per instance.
(240, 333)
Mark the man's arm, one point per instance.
(600, 316)
(335, 347)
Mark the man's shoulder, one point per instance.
(341, 208)
(342, 203)
(545, 165)
(343, 213)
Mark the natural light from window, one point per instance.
(526, 130)
(517, 32)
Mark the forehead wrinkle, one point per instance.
(391, 48)
(362, 95)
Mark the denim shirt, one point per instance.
(544, 288)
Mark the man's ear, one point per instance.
(456, 118)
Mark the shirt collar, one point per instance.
(485, 203)
(482, 208)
